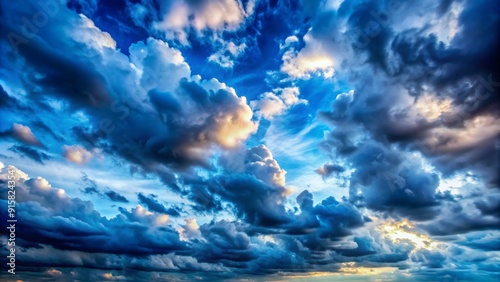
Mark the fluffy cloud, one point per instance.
(159, 65)
(313, 59)
(227, 54)
(418, 88)
(76, 154)
(142, 104)
(48, 208)
(179, 16)
(277, 102)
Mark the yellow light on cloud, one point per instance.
(404, 231)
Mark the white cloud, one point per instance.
(313, 59)
(289, 41)
(159, 65)
(91, 35)
(260, 162)
(277, 102)
(216, 15)
(227, 54)
(76, 154)
(190, 230)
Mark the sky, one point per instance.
(251, 140)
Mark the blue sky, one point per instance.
(325, 140)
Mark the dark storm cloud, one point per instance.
(463, 215)
(115, 197)
(429, 259)
(364, 248)
(328, 169)
(64, 75)
(31, 153)
(372, 135)
(254, 201)
(226, 243)
(151, 202)
(337, 219)
(482, 241)
(388, 180)
(81, 228)
(461, 222)
(164, 125)
(462, 71)
(253, 185)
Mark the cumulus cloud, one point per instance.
(159, 65)
(76, 154)
(292, 39)
(190, 230)
(91, 35)
(259, 162)
(275, 103)
(178, 17)
(46, 207)
(418, 87)
(168, 119)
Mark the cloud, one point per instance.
(6, 101)
(227, 54)
(227, 242)
(259, 162)
(292, 39)
(31, 153)
(313, 59)
(413, 89)
(76, 154)
(151, 202)
(161, 67)
(47, 208)
(328, 169)
(178, 17)
(254, 201)
(190, 230)
(275, 103)
(467, 215)
(115, 197)
(25, 135)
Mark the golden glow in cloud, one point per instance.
(353, 268)
(431, 107)
(313, 59)
(405, 231)
(346, 269)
